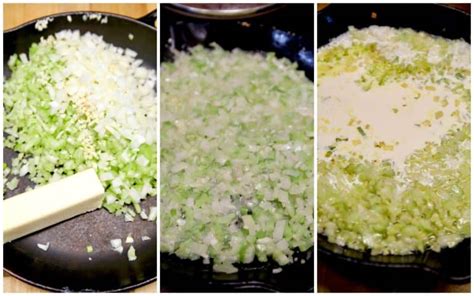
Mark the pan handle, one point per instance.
(149, 18)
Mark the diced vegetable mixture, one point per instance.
(74, 102)
(236, 157)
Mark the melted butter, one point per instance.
(387, 122)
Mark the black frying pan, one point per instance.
(66, 265)
(419, 270)
(287, 31)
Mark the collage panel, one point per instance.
(394, 103)
(237, 139)
(235, 168)
(80, 147)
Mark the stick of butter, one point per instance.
(47, 205)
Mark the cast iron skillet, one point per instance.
(288, 31)
(66, 265)
(451, 264)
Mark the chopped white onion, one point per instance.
(43, 247)
(129, 239)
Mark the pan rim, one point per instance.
(81, 12)
(468, 14)
(49, 288)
